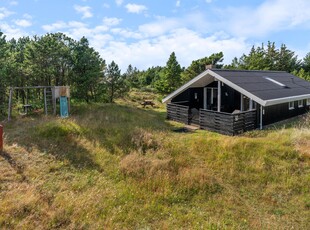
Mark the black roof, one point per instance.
(266, 85)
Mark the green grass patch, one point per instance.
(121, 166)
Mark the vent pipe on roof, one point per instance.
(293, 80)
(210, 66)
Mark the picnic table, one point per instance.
(147, 102)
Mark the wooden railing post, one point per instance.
(1, 138)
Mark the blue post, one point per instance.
(64, 107)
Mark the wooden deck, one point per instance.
(225, 123)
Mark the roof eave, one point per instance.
(185, 86)
(286, 99)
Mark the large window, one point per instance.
(300, 103)
(308, 101)
(291, 105)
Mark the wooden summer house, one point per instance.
(234, 101)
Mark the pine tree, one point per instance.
(114, 81)
(198, 66)
(171, 76)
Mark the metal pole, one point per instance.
(45, 102)
(261, 117)
(10, 104)
(54, 100)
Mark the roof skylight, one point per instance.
(274, 81)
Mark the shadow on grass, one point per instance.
(14, 164)
(115, 126)
(112, 126)
(53, 140)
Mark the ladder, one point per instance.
(49, 101)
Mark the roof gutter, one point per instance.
(286, 99)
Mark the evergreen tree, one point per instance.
(87, 71)
(171, 76)
(198, 66)
(4, 54)
(306, 62)
(114, 81)
(132, 77)
(269, 58)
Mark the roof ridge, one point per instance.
(241, 70)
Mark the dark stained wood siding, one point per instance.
(229, 124)
(280, 112)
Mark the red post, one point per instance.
(1, 138)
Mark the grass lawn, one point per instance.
(119, 166)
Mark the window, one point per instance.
(274, 81)
(291, 105)
(300, 103)
(308, 101)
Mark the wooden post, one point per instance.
(10, 104)
(219, 96)
(205, 98)
(251, 104)
(241, 103)
(45, 102)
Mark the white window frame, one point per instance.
(300, 103)
(291, 105)
(308, 101)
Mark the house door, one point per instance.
(210, 98)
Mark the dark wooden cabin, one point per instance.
(234, 101)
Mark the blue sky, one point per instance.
(144, 33)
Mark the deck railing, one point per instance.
(178, 113)
(221, 122)
(227, 123)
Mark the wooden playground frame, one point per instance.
(56, 92)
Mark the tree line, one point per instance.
(56, 59)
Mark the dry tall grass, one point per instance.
(117, 166)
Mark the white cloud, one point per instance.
(27, 16)
(84, 10)
(60, 25)
(269, 17)
(125, 33)
(135, 8)
(4, 13)
(111, 21)
(178, 3)
(23, 23)
(159, 27)
(55, 26)
(119, 2)
(12, 32)
(187, 44)
(13, 3)
(106, 5)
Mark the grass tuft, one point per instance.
(121, 166)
